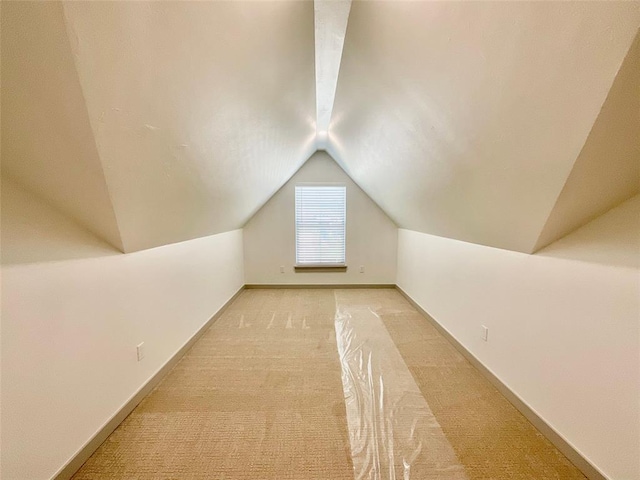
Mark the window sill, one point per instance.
(320, 268)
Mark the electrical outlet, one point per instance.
(361, 268)
(140, 351)
(281, 268)
(485, 333)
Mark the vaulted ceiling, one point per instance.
(192, 113)
(505, 124)
(465, 119)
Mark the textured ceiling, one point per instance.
(501, 123)
(464, 119)
(200, 110)
(181, 118)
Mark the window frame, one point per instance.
(338, 266)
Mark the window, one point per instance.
(320, 225)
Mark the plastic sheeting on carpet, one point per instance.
(392, 431)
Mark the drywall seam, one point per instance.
(535, 247)
(565, 446)
(74, 56)
(83, 454)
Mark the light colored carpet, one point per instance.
(490, 437)
(260, 396)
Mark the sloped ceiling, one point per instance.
(607, 171)
(156, 122)
(197, 111)
(47, 142)
(331, 17)
(200, 110)
(464, 119)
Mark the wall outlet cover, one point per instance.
(485, 333)
(140, 351)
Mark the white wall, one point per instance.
(269, 237)
(70, 327)
(563, 325)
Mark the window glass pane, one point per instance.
(320, 224)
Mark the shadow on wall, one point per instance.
(611, 239)
(33, 231)
(607, 170)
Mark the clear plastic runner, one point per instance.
(393, 433)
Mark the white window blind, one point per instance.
(320, 224)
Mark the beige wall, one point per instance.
(71, 323)
(269, 237)
(563, 325)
